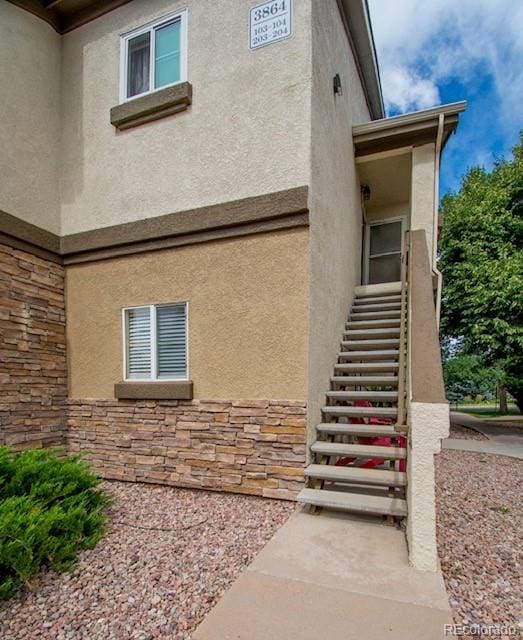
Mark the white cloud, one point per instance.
(405, 90)
(422, 44)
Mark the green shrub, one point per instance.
(49, 508)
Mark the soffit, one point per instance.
(66, 15)
(388, 178)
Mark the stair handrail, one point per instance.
(401, 422)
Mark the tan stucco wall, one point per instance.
(423, 210)
(335, 210)
(248, 315)
(29, 117)
(246, 133)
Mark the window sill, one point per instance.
(174, 390)
(152, 106)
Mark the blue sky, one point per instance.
(433, 52)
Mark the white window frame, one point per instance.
(182, 15)
(374, 223)
(154, 345)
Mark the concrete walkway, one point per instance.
(504, 441)
(331, 577)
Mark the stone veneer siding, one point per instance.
(33, 379)
(255, 447)
(246, 446)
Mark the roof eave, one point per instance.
(356, 20)
(409, 129)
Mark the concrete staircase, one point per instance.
(358, 458)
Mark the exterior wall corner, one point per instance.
(33, 369)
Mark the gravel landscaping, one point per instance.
(463, 433)
(480, 519)
(167, 557)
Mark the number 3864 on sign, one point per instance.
(270, 22)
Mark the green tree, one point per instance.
(467, 375)
(481, 259)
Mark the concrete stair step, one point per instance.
(384, 356)
(382, 306)
(381, 289)
(349, 429)
(365, 489)
(373, 324)
(341, 449)
(356, 475)
(372, 396)
(366, 367)
(351, 502)
(361, 412)
(375, 315)
(369, 334)
(377, 300)
(365, 381)
(362, 345)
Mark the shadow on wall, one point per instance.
(336, 215)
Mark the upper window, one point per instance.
(154, 56)
(155, 342)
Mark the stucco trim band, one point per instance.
(153, 106)
(225, 215)
(174, 390)
(287, 222)
(256, 214)
(35, 250)
(20, 234)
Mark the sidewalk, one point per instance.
(504, 441)
(331, 577)
(484, 446)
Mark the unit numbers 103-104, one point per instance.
(270, 22)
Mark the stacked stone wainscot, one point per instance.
(245, 446)
(33, 378)
(248, 446)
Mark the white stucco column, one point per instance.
(429, 423)
(423, 205)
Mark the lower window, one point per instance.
(155, 342)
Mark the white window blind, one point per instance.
(156, 342)
(138, 327)
(170, 338)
